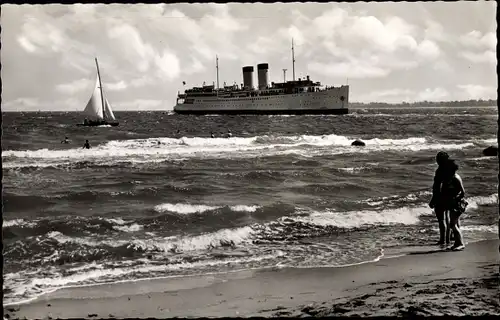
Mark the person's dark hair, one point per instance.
(441, 157)
(450, 166)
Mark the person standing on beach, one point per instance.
(452, 198)
(436, 203)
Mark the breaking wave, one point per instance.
(151, 150)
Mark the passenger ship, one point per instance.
(302, 96)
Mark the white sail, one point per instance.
(94, 107)
(108, 111)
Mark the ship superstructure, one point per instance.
(302, 96)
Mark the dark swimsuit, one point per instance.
(450, 189)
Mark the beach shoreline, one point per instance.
(426, 282)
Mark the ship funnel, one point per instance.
(263, 75)
(248, 77)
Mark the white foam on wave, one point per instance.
(243, 208)
(62, 239)
(474, 202)
(480, 228)
(353, 170)
(124, 226)
(167, 245)
(395, 198)
(118, 221)
(183, 208)
(356, 219)
(27, 290)
(148, 150)
(130, 228)
(186, 208)
(474, 228)
(205, 241)
(489, 141)
(483, 158)
(18, 222)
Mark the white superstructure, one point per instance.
(304, 100)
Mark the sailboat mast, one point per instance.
(100, 86)
(293, 62)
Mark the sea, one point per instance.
(157, 197)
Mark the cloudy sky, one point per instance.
(389, 52)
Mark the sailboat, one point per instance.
(98, 111)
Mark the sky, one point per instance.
(386, 52)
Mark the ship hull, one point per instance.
(329, 101)
(339, 111)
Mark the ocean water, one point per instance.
(157, 197)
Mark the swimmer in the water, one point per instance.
(86, 145)
(65, 140)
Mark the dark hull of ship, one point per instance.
(338, 111)
(98, 123)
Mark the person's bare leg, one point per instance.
(447, 226)
(459, 241)
(442, 227)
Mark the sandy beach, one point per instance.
(424, 282)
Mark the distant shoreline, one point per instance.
(350, 108)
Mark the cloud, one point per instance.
(393, 93)
(397, 95)
(329, 23)
(428, 49)
(131, 46)
(141, 104)
(40, 37)
(142, 81)
(432, 94)
(116, 86)
(168, 65)
(475, 39)
(388, 96)
(20, 104)
(74, 86)
(353, 70)
(222, 20)
(195, 66)
(434, 31)
(475, 91)
(26, 44)
(482, 57)
(33, 104)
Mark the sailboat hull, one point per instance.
(98, 123)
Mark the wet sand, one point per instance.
(425, 282)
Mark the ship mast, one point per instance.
(293, 62)
(100, 87)
(217, 67)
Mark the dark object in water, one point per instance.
(91, 123)
(491, 151)
(86, 145)
(358, 143)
